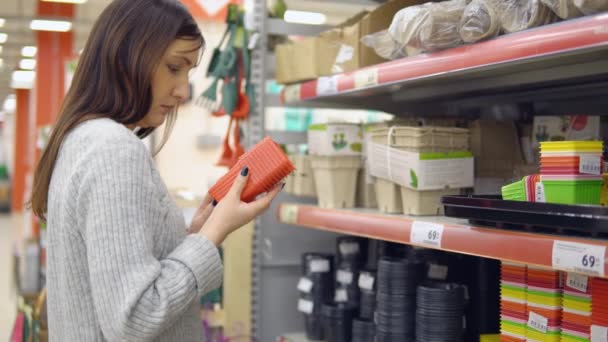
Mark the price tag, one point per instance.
(349, 248)
(366, 78)
(292, 93)
(344, 277)
(540, 193)
(599, 333)
(306, 306)
(289, 213)
(438, 272)
(327, 85)
(366, 281)
(319, 266)
(305, 285)
(426, 233)
(341, 296)
(590, 165)
(577, 281)
(579, 257)
(538, 322)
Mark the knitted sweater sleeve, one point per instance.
(136, 296)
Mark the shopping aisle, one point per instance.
(8, 232)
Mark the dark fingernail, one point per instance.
(245, 171)
(282, 186)
(214, 203)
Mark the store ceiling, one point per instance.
(18, 14)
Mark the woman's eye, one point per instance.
(173, 68)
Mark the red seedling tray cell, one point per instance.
(267, 164)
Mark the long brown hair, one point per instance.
(114, 72)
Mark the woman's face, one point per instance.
(170, 84)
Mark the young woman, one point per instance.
(122, 265)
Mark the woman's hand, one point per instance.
(231, 213)
(201, 215)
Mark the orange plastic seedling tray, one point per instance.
(267, 164)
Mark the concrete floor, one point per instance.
(9, 230)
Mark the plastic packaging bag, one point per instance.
(564, 9)
(519, 15)
(439, 30)
(406, 24)
(591, 6)
(384, 45)
(480, 20)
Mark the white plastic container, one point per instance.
(424, 202)
(304, 184)
(388, 196)
(335, 139)
(336, 180)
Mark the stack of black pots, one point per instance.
(363, 331)
(338, 321)
(351, 254)
(440, 312)
(318, 289)
(395, 316)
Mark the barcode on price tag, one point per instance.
(366, 78)
(344, 277)
(538, 322)
(319, 266)
(305, 306)
(366, 281)
(349, 248)
(438, 272)
(540, 193)
(590, 165)
(579, 257)
(599, 333)
(327, 85)
(341, 296)
(577, 281)
(305, 285)
(289, 213)
(426, 233)
(292, 93)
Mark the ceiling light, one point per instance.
(10, 103)
(2, 22)
(67, 1)
(302, 17)
(27, 64)
(3, 38)
(51, 25)
(29, 51)
(22, 79)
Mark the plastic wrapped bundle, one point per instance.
(480, 20)
(519, 15)
(384, 45)
(439, 30)
(564, 9)
(406, 25)
(591, 6)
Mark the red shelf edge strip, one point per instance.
(526, 248)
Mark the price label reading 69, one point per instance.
(427, 234)
(579, 257)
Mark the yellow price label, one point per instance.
(292, 93)
(366, 78)
(289, 213)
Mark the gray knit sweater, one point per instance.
(120, 266)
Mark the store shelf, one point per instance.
(457, 236)
(288, 137)
(559, 62)
(297, 337)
